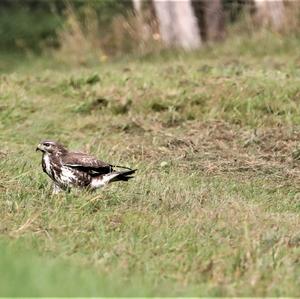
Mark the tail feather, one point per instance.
(124, 175)
(114, 176)
(119, 166)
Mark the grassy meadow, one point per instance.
(214, 209)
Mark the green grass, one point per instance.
(214, 208)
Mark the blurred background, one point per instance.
(83, 32)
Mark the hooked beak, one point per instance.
(39, 148)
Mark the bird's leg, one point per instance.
(56, 189)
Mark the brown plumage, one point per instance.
(75, 169)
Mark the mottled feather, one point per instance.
(77, 169)
(85, 162)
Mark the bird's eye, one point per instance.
(46, 144)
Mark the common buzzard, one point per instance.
(75, 169)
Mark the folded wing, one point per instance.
(86, 163)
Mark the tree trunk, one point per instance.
(143, 29)
(214, 21)
(137, 5)
(270, 13)
(178, 24)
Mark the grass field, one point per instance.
(214, 209)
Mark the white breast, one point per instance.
(47, 164)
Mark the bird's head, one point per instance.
(51, 147)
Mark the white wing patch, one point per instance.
(67, 176)
(100, 182)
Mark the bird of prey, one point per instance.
(75, 169)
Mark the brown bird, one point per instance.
(75, 169)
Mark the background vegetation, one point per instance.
(214, 208)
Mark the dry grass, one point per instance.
(82, 38)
